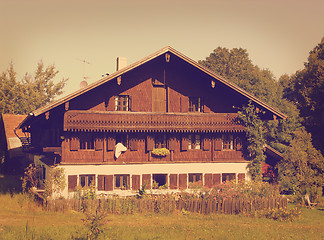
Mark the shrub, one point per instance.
(30, 179)
(94, 221)
(278, 214)
(231, 189)
(55, 183)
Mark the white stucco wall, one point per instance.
(139, 169)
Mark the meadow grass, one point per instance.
(21, 218)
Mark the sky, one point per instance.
(83, 38)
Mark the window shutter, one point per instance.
(101, 182)
(109, 183)
(149, 143)
(133, 144)
(206, 144)
(216, 179)
(241, 177)
(130, 103)
(173, 181)
(74, 144)
(238, 144)
(72, 182)
(184, 143)
(172, 144)
(184, 101)
(146, 180)
(111, 142)
(183, 181)
(136, 182)
(218, 144)
(208, 180)
(99, 144)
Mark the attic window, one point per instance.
(194, 141)
(122, 103)
(228, 143)
(195, 104)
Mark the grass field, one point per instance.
(20, 218)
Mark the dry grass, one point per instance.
(20, 218)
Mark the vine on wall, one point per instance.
(249, 116)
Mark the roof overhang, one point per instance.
(162, 51)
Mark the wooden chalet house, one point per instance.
(165, 100)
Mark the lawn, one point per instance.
(20, 218)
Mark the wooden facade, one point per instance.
(163, 101)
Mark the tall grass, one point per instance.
(21, 218)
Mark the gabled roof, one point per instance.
(10, 123)
(162, 51)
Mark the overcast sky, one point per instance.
(277, 34)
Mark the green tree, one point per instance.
(236, 67)
(306, 89)
(302, 169)
(31, 92)
(287, 136)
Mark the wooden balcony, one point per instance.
(151, 122)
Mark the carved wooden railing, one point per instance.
(147, 122)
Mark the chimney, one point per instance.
(121, 63)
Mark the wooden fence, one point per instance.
(148, 205)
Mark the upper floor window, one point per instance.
(122, 138)
(228, 143)
(86, 141)
(160, 141)
(194, 141)
(122, 103)
(195, 104)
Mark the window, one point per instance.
(227, 142)
(86, 141)
(194, 141)
(122, 181)
(195, 104)
(160, 141)
(226, 177)
(87, 180)
(122, 138)
(195, 177)
(122, 103)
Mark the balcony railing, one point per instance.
(151, 122)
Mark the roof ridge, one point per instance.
(163, 50)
